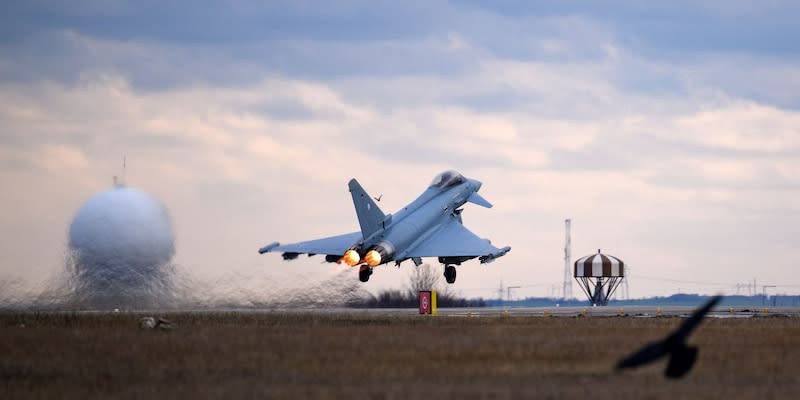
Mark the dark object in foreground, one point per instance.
(682, 357)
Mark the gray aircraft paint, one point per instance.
(430, 226)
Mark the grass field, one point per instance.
(363, 355)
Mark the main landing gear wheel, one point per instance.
(364, 272)
(450, 274)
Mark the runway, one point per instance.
(475, 312)
(562, 312)
(630, 311)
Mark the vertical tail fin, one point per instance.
(370, 217)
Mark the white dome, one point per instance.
(121, 240)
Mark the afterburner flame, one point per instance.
(351, 257)
(373, 258)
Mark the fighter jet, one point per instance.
(430, 226)
(681, 356)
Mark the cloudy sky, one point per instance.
(669, 133)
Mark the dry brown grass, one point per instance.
(362, 355)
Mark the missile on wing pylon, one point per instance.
(268, 247)
(491, 257)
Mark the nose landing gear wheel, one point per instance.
(450, 274)
(364, 272)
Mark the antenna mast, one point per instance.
(120, 181)
(567, 261)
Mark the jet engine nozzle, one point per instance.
(351, 258)
(379, 254)
(373, 258)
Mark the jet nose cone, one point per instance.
(477, 184)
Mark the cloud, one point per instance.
(250, 135)
(744, 127)
(224, 136)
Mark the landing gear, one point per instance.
(364, 272)
(450, 274)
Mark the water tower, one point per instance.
(599, 275)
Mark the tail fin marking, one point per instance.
(370, 216)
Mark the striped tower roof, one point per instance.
(599, 265)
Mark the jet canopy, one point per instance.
(447, 179)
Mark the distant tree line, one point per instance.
(680, 299)
(423, 278)
(406, 299)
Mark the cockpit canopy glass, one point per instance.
(447, 179)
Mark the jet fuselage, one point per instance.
(417, 221)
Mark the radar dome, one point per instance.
(121, 243)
